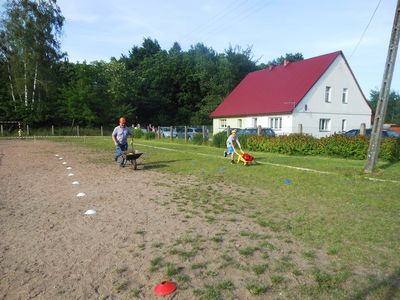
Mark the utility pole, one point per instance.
(374, 143)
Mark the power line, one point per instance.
(242, 17)
(234, 14)
(216, 18)
(365, 30)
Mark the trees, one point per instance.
(29, 50)
(393, 108)
(288, 56)
(148, 85)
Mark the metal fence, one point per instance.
(169, 132)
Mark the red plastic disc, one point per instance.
(164, 288)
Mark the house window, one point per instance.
(328, 94)
(222, 123)
(344, 125)
(344, 95)
(324, 124)
(239, 123)
(254, 121)
(275, 123)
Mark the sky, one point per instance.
(101, 29)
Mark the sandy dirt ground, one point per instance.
(50, 250)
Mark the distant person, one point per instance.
(120, 138)
(232, 139)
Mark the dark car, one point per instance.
(254, 131)
(356, 132)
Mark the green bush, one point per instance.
(285, 144)
(198, 139)
(390, 149)
(149, 135)
(137, 133)
(339, 145)
(219, 140)
(336, 145)
(243, 140)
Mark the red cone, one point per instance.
(164, 288)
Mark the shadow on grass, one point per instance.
(159, 164)
(387, 165)
(387, 289)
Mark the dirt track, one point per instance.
(50, 250)
(48, 247)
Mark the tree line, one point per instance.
(39, 86)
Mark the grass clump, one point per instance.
(259, 269)
(248, 251)
(256, 288)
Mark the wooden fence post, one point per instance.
(186, 136)
(52, 129)
(101, 130)
(77, 130)
(27, 129)
(2, 129)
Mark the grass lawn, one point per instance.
(349, 225)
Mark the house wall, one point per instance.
(248, 122)
(338, 76)
(355, 111)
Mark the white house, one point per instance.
(317, 96)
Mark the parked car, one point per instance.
(385, 133)
(393, 133)
(191, 131)
(166, 132)
(395, 128)
(264, 131)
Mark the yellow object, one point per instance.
(241, 159)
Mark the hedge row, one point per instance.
(336, 145)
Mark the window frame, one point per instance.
(222, 123)
(328, 94)
(239, 123)
(344, 125)
(324, 125)
(254, 122)
(275, 123)
(345, 96)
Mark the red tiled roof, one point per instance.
(274, 91)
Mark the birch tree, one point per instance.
(29, 32)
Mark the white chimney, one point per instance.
(285, 62)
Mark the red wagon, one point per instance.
(246, 158)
